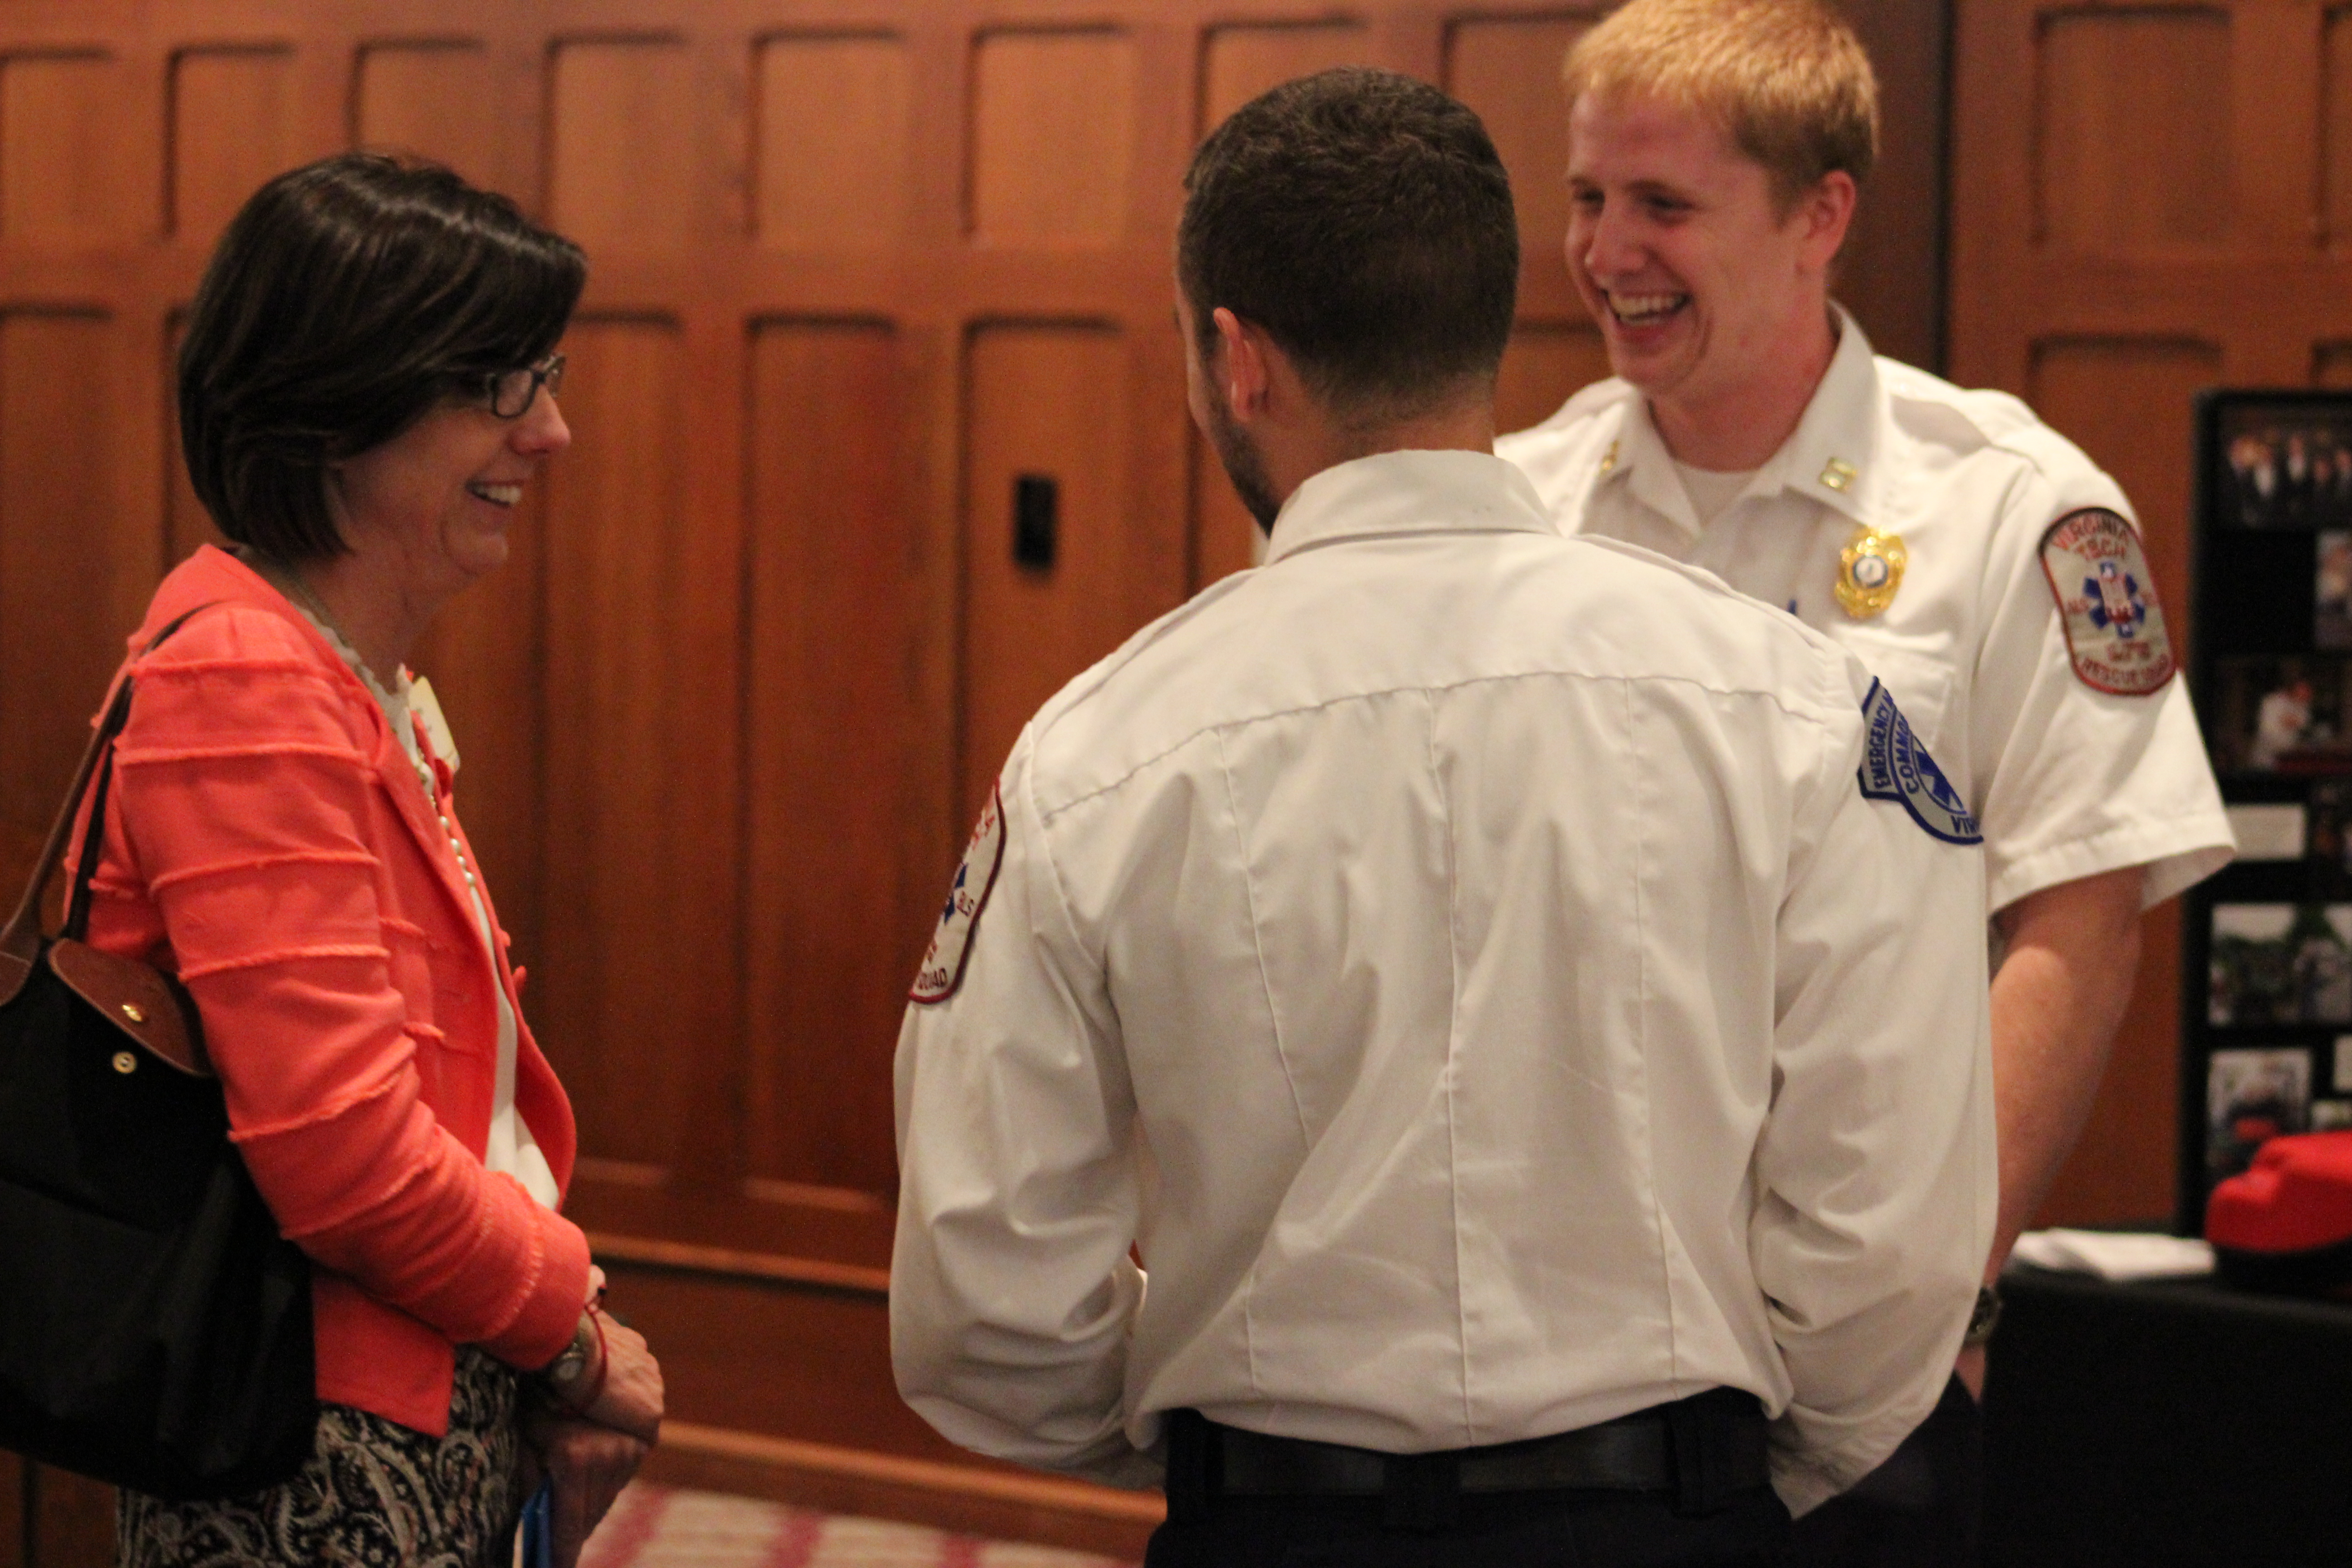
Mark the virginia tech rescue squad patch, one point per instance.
(942, 969)
(2106, 602)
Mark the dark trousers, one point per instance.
(1678, 1486)
(1510, 1529)
(1924, 1508)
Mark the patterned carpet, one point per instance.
(663, 1527)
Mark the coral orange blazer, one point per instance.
(267, 839)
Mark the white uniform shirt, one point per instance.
(2067, 781)
(1466, 960)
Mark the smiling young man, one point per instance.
(1975, 562)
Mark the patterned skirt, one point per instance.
(374, 1495)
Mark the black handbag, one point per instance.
(155, 1327)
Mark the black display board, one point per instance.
(2266, 961)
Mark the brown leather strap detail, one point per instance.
(138, 999)
(20, 941)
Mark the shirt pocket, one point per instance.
(1922, 685)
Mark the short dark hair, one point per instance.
(348, 299)
(1363, 220)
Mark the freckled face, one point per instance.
(442, 493)
(1679, 249)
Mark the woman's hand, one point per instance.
(630, 1399)
(588, 1463)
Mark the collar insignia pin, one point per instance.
(1837, 474)
(1870, 569)
(1609, 459)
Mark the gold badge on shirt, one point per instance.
(1870, 569)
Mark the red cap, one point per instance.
(2296, 1197)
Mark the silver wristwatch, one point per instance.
(567, 1370)
(1982, 1321)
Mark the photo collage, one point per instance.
(2272, 1052)
(2254, 1094)
(2276, 967)
(2290, 465)
(2286, 467)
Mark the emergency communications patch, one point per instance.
(2106, 602)
(1896, 766)
(944, 961)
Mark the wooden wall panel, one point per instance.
(187, 523)
(1053, 131)
(1034, 397)
(12, 1511)
(67, 175)
(2273, 100)
(57, 644)
(436, 100)
(485, 656)
(2126, 403)
(605, 1000)
(621, 126)
(2336, 129)
(2331, 364)
(830, 723)
(2133, 138)
(1509, 71)
(71, 1522)
(1243, 59)
(837, 1361)
(234, 124)
(760, 641)
(833, 148)
(796, 1436)
(2141, 209)
(1891, 272)
(1543, 368)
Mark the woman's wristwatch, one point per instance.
(569, 1372)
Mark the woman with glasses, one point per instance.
(367, 392)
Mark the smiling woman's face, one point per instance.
(1694, 273)
(441, 495)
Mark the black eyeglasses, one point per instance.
(512, 392)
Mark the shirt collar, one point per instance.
(1394, 493)
(1829, 457)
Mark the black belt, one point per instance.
(1702, 1449)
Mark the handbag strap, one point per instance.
(21, 940)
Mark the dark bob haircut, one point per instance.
(1363, 221)
(348, 299)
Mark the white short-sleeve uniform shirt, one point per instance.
(1471, 964)
(2017, 698)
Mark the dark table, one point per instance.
(2166, 1423)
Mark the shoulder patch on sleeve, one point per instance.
(2106, 602)
(944, 961)
(1896, 767)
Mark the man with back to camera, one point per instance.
(1973, 559)
(1525, 1001)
